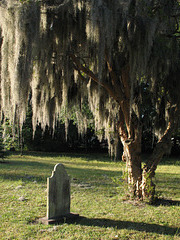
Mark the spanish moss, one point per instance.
(56, 54)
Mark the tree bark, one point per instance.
(131, 141)
(133, 168)
(162, 147)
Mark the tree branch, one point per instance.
(80, 67)
(163, 146)
(114, 80)
(123, 91)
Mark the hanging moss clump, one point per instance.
(39, 41)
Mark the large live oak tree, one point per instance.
(58, 53)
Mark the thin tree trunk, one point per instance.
(118, 150)
(21, 142)
(162, 147)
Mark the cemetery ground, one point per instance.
(98, 194)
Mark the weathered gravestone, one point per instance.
(58, 196)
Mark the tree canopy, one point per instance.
(56, 53)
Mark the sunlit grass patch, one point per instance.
(94, 195)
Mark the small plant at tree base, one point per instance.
(122, 183)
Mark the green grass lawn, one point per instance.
(100, 200)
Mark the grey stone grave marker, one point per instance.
(58, 196)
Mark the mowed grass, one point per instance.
(100, 200)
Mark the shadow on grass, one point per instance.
(138, 226)
(32, 170)
(25, 170)
(165, 202)
(100, 157)
(170, 161)
(24, 178)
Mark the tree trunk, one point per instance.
(162, 147)
(132, 156)
(130, 130)
(140, 180)
(133, 168)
